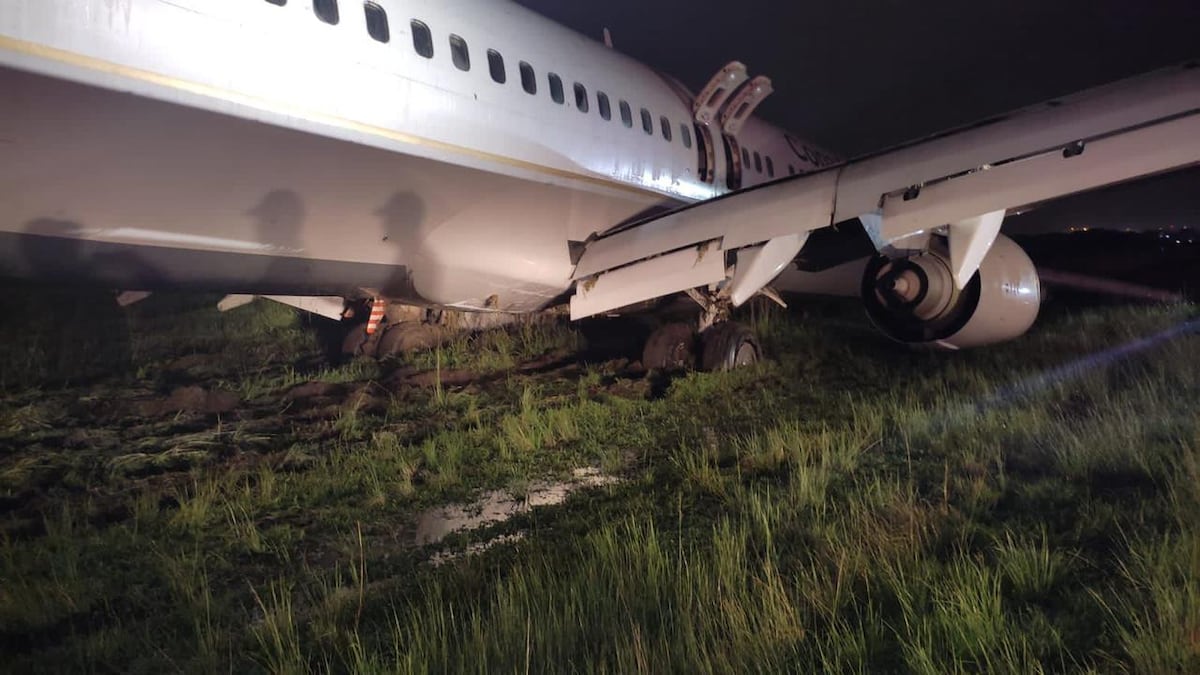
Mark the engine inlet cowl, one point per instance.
(914, 299)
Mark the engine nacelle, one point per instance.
(914, 299)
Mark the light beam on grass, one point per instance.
(1083, 365)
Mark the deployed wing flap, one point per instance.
(662, 275)
(738, 220)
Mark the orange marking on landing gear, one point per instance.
(377, 306)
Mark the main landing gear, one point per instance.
(389, 331)
(714, 343)
(390, 339)
(723, 346)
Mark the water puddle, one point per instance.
(497, 506)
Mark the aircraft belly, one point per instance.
(128, 181)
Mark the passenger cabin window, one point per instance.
(685, 134)
(556, 87)
(757, 162)
(647, 122)
(791, 170)
(496, 66)
(745, 158)
(626, 115)
(528, 79)
(377, 23)
(326, 10)
(459, 52)
(770, 167)
(581, 97)
(604, 106)
(422, 39)
(665, 125)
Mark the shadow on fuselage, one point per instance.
(55, 251)
(402, 218)
(77, 278)
(278, 220)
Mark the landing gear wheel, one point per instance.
(671, 347)
(358, 343)
(408, 336)
(729, 345)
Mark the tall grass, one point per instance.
(719, 606)
(500, 349)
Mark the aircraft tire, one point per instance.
(729, 345)
(671, 347)
(408, 336)
(358, 343)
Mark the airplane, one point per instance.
(472, 158)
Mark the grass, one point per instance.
(849, 506)
(501, 349)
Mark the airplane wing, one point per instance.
(958, 184)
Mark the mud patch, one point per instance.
(497, 506)
(310, 390)
(443, 557)
(191, 399)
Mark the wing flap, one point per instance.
(653, 278)
(775, 210)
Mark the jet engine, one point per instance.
(915, 300)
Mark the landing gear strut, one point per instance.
(724, 345)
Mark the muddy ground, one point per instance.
(187, 490)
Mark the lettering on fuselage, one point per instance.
(813, 156)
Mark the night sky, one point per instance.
(860, 75)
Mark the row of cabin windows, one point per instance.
(582, 102)
(327, 11)
(759, 160)
(460, 55)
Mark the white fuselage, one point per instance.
(245, 146)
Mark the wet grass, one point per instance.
(849, 506)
